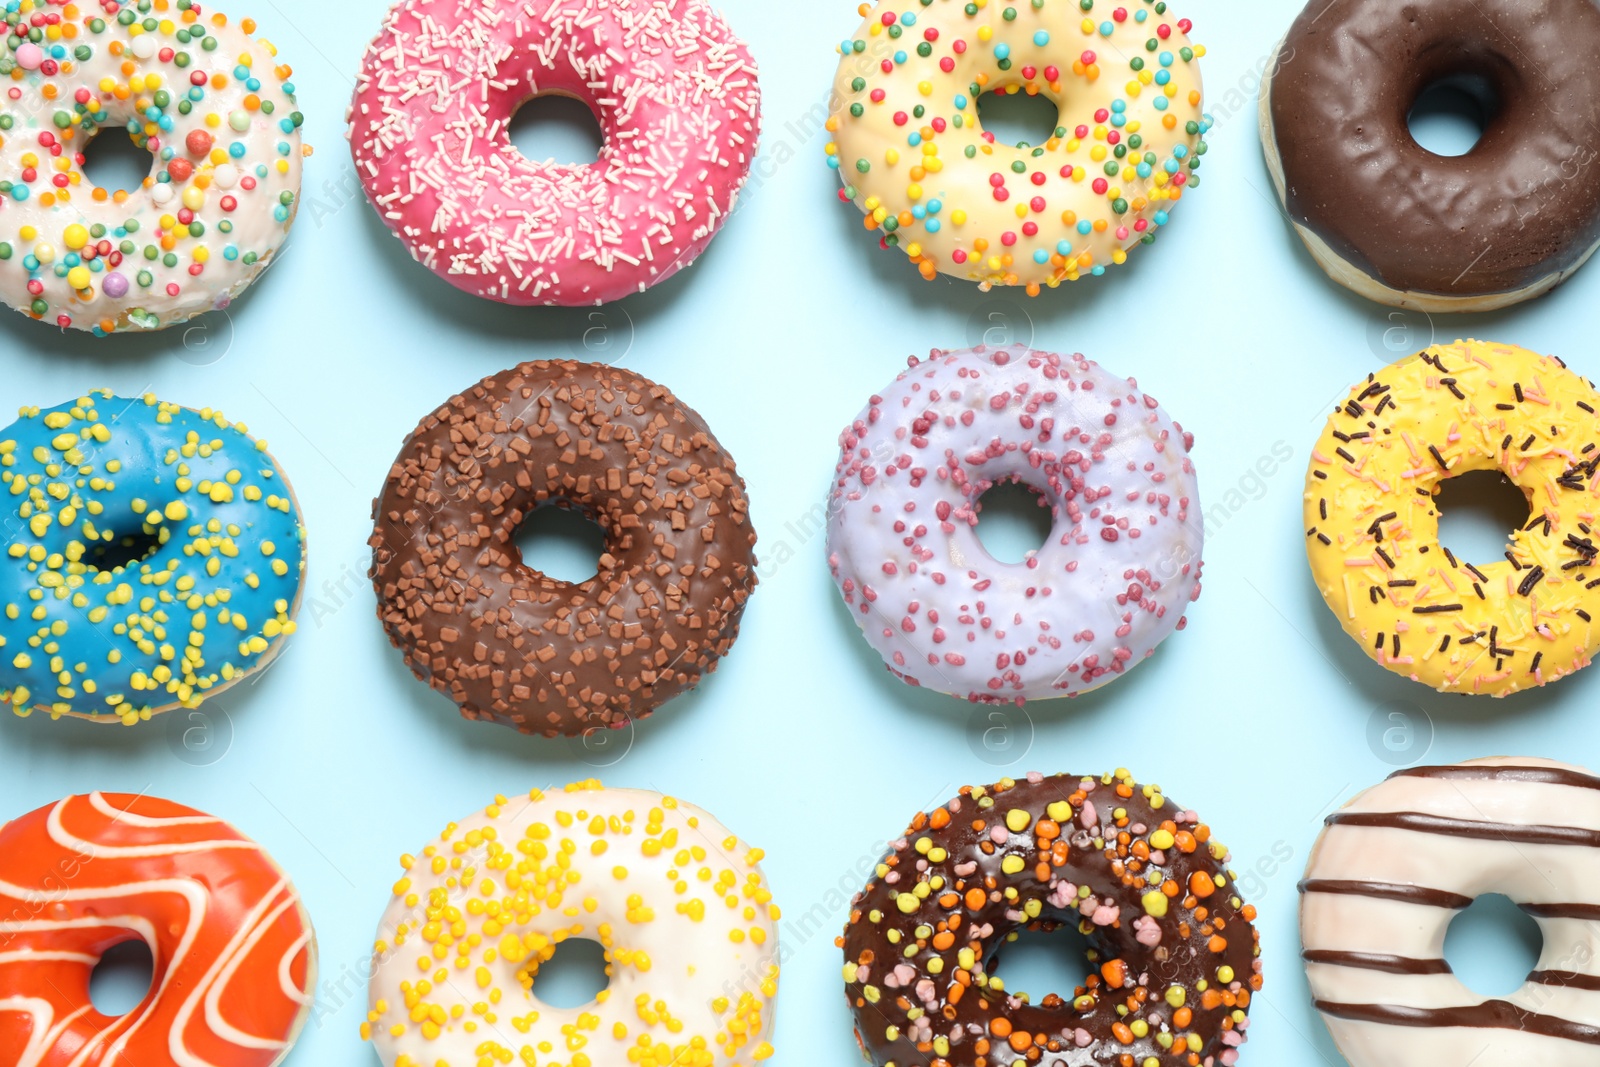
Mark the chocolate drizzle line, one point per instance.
(1504, 773)
(1375, 961)
(1571, 979)
(1417, 822)
(1489, 1015)
(1403, 894)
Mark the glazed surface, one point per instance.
(1121, 563)
(912, 153)
(1395, 866)
(1372, 524)
(215, 110)
(678, 902)
(234, 953)
(677, 99)
(1521, 206)
(155, 557)
(1174, 955)
(513, 646)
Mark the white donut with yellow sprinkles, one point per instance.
(679, 904)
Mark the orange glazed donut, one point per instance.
(235, 957)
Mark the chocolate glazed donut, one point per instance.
(1174, 951)
(1400, 225)
(513, 646)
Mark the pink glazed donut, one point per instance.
(676, 97)
(1110, 583)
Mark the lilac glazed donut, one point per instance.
(1121, 562)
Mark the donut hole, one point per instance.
(112, 161)
(1037, 962)
(1493, 945)
(573, 977)
(1014, 521)
(1477, 512)
(122, 978)
(127, 551)
(1018, 118)
(562, 543)
(1450, 116)
(553, 128)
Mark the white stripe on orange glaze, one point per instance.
(285, 979)
(97, 852)
(230, 964)
(100, 804)
(41, 1013)
(212, 906)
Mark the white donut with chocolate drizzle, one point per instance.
(1395, 866)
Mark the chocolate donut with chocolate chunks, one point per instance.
(514, 646)
(1174, 953)
(1388, 219)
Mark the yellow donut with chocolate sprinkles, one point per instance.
(1372, 521)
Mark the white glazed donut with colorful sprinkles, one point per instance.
(678, 902)
(913, 155)
(677, 100)
(1115, 574)
(212, 106)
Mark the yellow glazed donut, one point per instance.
(913, 156)
(678, 902)
(1372, 527)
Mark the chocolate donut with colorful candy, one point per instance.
(913, 155)
(234, 956)
(1388, 219)
(674, 91)
(156, 557)
(1174, 956)
(514, 646)
(678, 902)
(1119, 567)
(1401, 860)
(215, 111)
(1372, 518)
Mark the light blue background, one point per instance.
(1262, 715)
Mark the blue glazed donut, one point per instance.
(155, 556)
